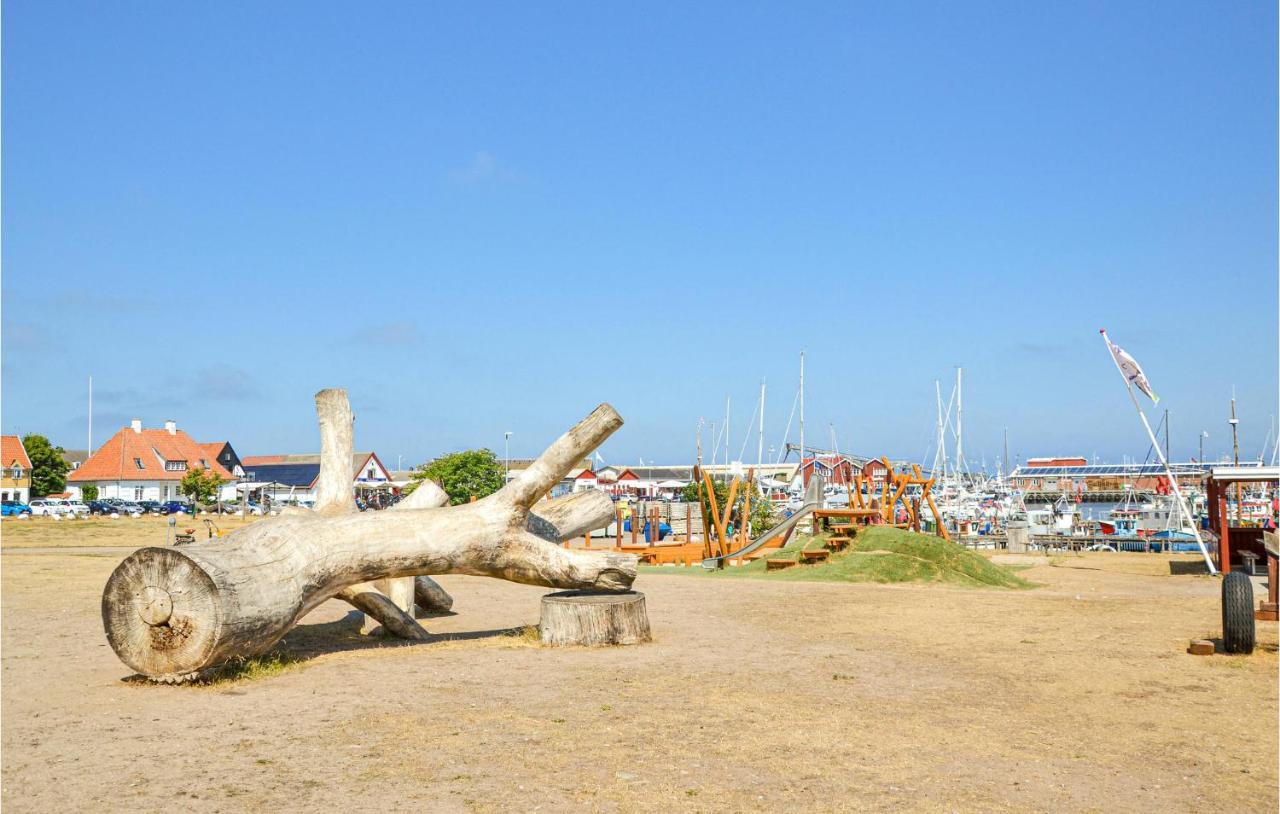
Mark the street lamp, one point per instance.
(506, 454)
(1203, 435)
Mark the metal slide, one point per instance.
(812, 500)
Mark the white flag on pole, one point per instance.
(1131, 369)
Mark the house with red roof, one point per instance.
(142, 464)
(15, 479)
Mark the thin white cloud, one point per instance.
(483, 168)
(396, 334)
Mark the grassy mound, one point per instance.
(882, 554)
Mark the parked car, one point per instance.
(113, 505)
(151, 506)
(234, 508)
(78, 508)
(174, 507)
(13, 508)
(48, 507)
(102, 507)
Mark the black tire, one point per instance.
(1239, 634)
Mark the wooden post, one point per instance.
(937, 515)
(635, 515)
(1224, 531)
(617, 526)
(915, 515)
(715, 515)
(688, 525)
(702, 512)
(586, 540)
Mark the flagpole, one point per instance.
(1182, 501)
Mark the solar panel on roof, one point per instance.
(288, 474)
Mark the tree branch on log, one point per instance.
(170, 612)
(334, 497)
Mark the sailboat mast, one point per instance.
(760, 436)
(90, 415)
(960, 467)
(1007, 470)
(1234, 422)
(940, 451)
(727, 401)
(699, 443)
(802, 412)
(1235, 448)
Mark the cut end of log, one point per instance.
(593, 619)
(161, 613)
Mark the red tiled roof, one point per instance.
(118, 459)
(13, 452)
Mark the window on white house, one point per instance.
(137, 493)
(138, 463)
(175, 466)
(370, 475)
(16, 473)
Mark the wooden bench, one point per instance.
(838, 543)
(1250, 561)
(815, 555)
(778, 565)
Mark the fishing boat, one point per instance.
(1162, 514)
(1062, 518)
(1122, 522)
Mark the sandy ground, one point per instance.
(755, 695)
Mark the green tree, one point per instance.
(48, 468)
(762, 512)
(88, 492)
(462, 474)
(200, 485)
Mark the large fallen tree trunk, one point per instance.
(170, 612)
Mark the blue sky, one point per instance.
(482, 218)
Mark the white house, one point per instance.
(138, 464)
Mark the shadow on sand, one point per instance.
(309, 641)
(1187, 568)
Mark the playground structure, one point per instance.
(893, 506)
(775, 537)
(890, 501)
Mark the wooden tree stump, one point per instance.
(593, 619)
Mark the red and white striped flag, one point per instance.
(1131, 369)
